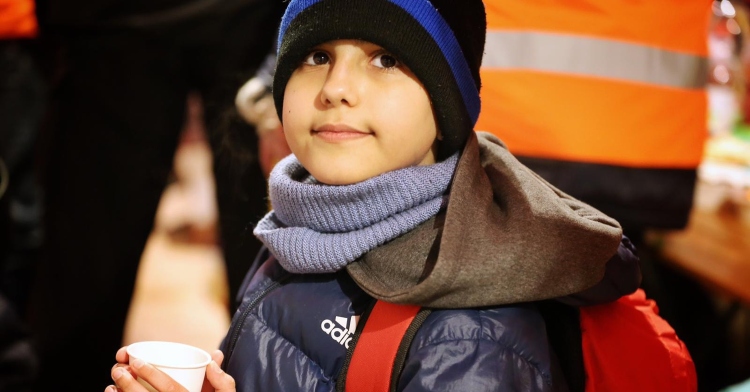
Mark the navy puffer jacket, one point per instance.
(292, 331)
(505, 240)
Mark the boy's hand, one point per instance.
(216, 379)
(125, 376)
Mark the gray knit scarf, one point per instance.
(318, 228)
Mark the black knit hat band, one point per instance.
(412, 30)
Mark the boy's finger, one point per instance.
(124, 366)
(158, 379)
(217, 356)
(221, 381)
(125, 381)
(122, 355)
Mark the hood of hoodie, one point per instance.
(506, 236)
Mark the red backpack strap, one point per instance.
(374, 361)
(628, 347)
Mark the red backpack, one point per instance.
(625, 346)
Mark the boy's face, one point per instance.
(352, 111)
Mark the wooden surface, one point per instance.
(714, 249)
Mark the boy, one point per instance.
(391, 195)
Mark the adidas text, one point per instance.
(338, 330)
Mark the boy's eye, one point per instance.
(385, 60)
(317, 58)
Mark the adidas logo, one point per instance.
(339, 330)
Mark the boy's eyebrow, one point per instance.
(357, 41)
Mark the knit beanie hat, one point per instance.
(441, 41)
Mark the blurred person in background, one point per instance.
(22, 95)
(121, 71)
(607, 101)
(22, 102)
(254, 103)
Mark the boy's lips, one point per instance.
(339, 132)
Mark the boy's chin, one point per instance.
(342, 178)
(351, 171)
(345, 175)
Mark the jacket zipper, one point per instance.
(235, 335)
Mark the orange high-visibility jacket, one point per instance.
(606, 99)
(17, 19)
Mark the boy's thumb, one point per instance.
(221, 381)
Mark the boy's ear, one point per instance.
(439, 135)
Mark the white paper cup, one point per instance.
(184, 363)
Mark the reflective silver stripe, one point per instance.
(594, 57)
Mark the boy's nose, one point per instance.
(341, 87)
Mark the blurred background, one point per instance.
(130, 182)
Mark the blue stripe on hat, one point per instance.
(294, 8)
(425, 13)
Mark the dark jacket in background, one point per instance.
(18, 365)
(121, 72)
(78, 14)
